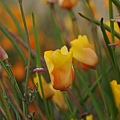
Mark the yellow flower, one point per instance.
(67, 4)
(89, 117)
(116, 92)
(83, 52)
(58, 98)
(47, 90)
(59, 63)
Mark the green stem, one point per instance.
(5, 105)
(117, 4)
(36, 42)
(29, 52)
(74, 23)
(96, 73)
(39, 65)
(51, 6)
(98, 110)
(94, 85)
(13, 82)
(98, 23)
(65, 97)
(20, 52)
(111, 23)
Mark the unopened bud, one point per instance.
(3, 54)
(67, 4)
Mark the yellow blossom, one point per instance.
(59, 63)
(47, 90)
(116, 92)
(83, 52)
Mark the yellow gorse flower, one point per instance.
(83, 52)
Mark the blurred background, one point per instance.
(47, 33)
(48, 37)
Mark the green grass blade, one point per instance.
(106, 40)
(97, 108)
(111, 51)
(5, 105)
(116, 2)
(39, 64)
(98, 23)
(20, 52)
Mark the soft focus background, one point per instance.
(47, 33)
(48, 38)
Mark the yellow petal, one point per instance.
(83, 52)
(109, 34)
(48, 59)
(60, 66)
(89, 117)
(47, 90)
(116, 92)
(59, 99)
(64, 50)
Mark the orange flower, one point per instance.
(83, 52)
(47, 90)
(59, 63)
(67, 4)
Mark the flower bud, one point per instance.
(67, 4)
(3, 54)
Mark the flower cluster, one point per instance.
(59, 62)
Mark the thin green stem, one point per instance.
(96, 74)
(111, 23)
(6, 66)
(98, 23)
(98, 110)
(39, 64)
(117, 4)
(13, 82)
(65, 97)
(51, 6)
(29, 51)
(5, 105)
(36, 42)
(94, 85)
(74, 23)
(20, 52)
